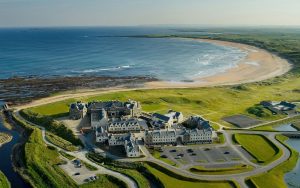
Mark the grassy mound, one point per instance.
(216, 171)
(60, 142)
(261, 148)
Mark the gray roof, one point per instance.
(125, 122)
(161, 117)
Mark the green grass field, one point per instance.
(68, 156)
(262, 149)
(275, 177)
(171, 182)
(60, 142)
(213, 103)
(4, 183)
(217, 171)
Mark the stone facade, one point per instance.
(132, 148)
(77, 110)
(181, 135)
(124, 126)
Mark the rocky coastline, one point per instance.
(18, 90)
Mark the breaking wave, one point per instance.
(96, 70)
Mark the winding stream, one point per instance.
(5, 158)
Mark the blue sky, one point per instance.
(148, 12)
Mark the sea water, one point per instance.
(110, 51)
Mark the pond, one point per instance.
(286, 127)
(293, 178)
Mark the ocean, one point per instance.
(110, 51)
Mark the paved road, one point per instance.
(82, 156)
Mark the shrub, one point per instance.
(257, 111)
(51, 125)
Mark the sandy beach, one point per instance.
(258, 65)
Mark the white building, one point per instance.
(101, 135)
(160, 137)
(177, 117)
(179, 136)
(127, 140)
(132, 148)
(124, 126)
(117, 139)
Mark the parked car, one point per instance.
(76, 174)
(173, 150)
(92, 178)
(164, 156)
(226, 152)
(193, 154)
(190, 150)
(178, 157)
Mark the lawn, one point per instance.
(68, 156)
(212, 103)
(104, 181)
(60, 142)
(4, 183)
(171, 182)
(261, 148)
(216, 171)
(275, 177)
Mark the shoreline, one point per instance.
(245, 72)
(258, 65)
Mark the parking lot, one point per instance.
(188, 155)
(78, 174)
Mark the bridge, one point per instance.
(295, 134)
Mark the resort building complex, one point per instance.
(124, 124)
